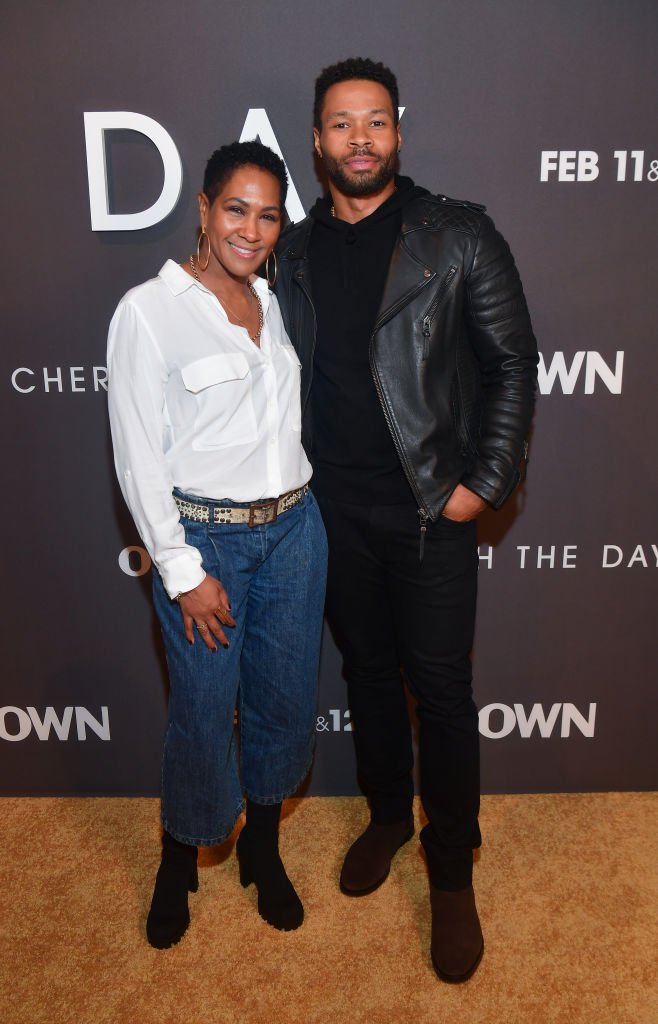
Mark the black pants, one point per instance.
(389, 611)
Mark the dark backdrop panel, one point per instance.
(565, 647)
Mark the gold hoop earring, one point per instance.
(271, 283)
(200, 265)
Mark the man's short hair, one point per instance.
(354, 67)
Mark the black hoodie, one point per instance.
(353, 454)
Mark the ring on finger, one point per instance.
(201, 626)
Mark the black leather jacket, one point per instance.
(452, 353)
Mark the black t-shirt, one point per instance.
(354, 457)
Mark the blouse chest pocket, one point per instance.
(222, 386)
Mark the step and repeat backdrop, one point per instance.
(547, 113)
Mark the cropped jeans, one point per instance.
(274, 576)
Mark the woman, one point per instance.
(204, 402)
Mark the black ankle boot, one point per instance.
(169, 915)
(257, 850)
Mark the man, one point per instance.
(418, 380)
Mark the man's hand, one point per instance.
(205, 607)
(463, 505)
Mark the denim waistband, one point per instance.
(222, 502)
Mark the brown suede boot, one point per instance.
(457, 942)
(368, 860)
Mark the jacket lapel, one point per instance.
(407, 275)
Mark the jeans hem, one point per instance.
(195, 840)
(278, 797)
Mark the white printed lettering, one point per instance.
(611, 378)
(571, 715)
(50, 721)
(48, 380)
(523, 548)
(24, 724)
(76, 378)
(84, 719)
(550, 557)
(96, 124)
(488, 557)
(138, 564)
(14, 380)
(607, 554)
(100, 378)
(508, 722)
(537, 718)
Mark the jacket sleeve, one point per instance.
(502, 339)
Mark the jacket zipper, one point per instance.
(423, 514)
(431, 312)
(521, 473)
(423, 530)
(404, 301)
(523, 462)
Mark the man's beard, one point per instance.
(364, 183)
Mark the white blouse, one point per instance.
(195, 404)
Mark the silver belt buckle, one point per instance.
(265, 512)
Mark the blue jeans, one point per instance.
(275, 578)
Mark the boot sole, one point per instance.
(247, 879)
(457, 979)
(165, 941)
(280, 926)
(377, 884)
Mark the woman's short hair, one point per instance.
(228, 159)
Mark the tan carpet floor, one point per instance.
(567, 888)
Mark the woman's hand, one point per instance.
(205, 607)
